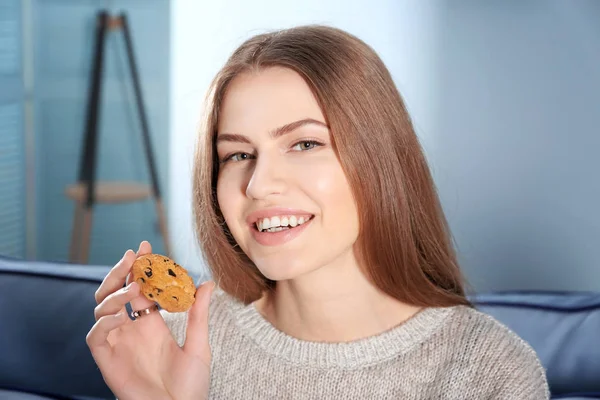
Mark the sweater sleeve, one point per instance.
(521, 376)
(503, 365)
(515, 369)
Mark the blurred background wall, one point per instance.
(505, 97)
(517, 133)
(47, 50)
(62, 38)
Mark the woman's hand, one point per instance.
(140, 359)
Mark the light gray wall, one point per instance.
(516, 141)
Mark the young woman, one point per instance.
(335, 272)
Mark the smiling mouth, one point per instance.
(280, 223)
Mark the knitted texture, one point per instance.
(440, 353)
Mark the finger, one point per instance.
(116, 301)
(196, 342)
(145, 248)
(97, 337)
(140, 302)
(115, 279)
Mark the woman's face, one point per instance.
(281, 187)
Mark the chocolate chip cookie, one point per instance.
(165, 282)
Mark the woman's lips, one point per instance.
(274, 212)
(278, 238)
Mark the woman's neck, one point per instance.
(332, 305)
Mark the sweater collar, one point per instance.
(347, 355)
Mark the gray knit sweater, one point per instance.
(440, 353)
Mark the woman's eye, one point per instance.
(237, 157)
(306, 145)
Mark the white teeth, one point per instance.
(275, 221)
(270, 224)
(266, 223)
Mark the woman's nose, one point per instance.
(267, 179)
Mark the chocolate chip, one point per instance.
(148, 272)
(150, 295)
(175, 298)
(172, 273)
(142, 279)
(158, 290)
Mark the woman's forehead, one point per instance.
(266, 100)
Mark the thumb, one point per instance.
(196, 341)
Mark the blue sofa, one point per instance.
(46, 310)
(564, 330)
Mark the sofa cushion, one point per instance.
(18, 395)
(563, 328)
(7, 394)
(47, 310)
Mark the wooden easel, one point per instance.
(87, 192)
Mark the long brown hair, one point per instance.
(404, 244)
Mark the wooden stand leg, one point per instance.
(145, 131)
(85, 235)
(87, 167)
(74, 252)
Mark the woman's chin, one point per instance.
(279, 275)
(281, 272)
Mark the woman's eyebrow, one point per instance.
(232, 137)
(282, 130)
(287, 128)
